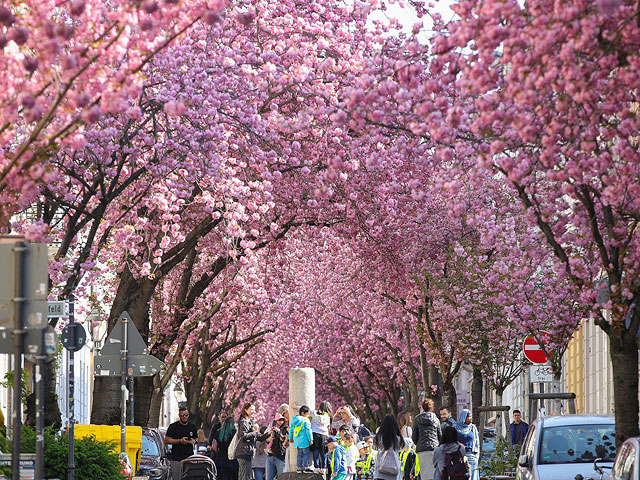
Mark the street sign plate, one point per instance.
(57, 309)
(36, 280)
(113, 344)
(138, 365)
(533, 351)
(540, 373)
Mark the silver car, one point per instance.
(562, 447)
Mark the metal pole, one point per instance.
(131, 412)
(71, 468)
(123, 384)
(19, 300)
(40, 411)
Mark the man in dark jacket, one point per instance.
(519, 429)
(426, 435)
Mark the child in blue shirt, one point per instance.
(300, 434)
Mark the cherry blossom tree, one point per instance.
(67, 63)
(553, 110)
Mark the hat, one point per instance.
(330, 439)
(408, 443)
(278, 417)
(361, 445)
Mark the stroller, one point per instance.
(198, 467)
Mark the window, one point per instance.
(149, 446)
(577, 444)
(529, 444)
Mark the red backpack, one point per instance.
(455, 467)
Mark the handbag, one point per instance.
(231, 453)
(389, 463)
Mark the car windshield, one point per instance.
(149, 446)
(577, 444)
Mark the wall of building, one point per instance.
(575, 367)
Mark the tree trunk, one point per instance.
(436, 379)
(476, 394)
(154, 410)
(624, 360)
(450, 397)
(106, 401)
(424, 368)
(556, 404)
(413, 385)
(499, 415)
(52, 417)
(144, 396)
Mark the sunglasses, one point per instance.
(184, 415)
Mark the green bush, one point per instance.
(503, 461)
(94, 460)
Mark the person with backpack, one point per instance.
(388, 443)
(449, 460)
(302, 437)
(409, 461)
(469, 437)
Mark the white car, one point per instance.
(627, 463)
(562, 447)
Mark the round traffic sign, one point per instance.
(533, 351)
(73, 337)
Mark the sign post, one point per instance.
(18, 335)
(126, 355)
(71, 467)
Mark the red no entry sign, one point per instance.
(532, 349)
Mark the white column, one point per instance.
(302, 391)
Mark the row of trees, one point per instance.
(293, 182)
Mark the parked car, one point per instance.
(627, 463)
(154, 464)
(488, 443)
(564, 446)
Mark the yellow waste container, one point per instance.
(105, 433)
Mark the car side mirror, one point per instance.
(523, 461)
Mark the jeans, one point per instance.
(227, 469)
(303, 458)
(319, 458)
(472, 459)
(258, 473)
(275, 466)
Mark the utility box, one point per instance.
(111, 433)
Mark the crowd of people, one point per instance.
(336, 444)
